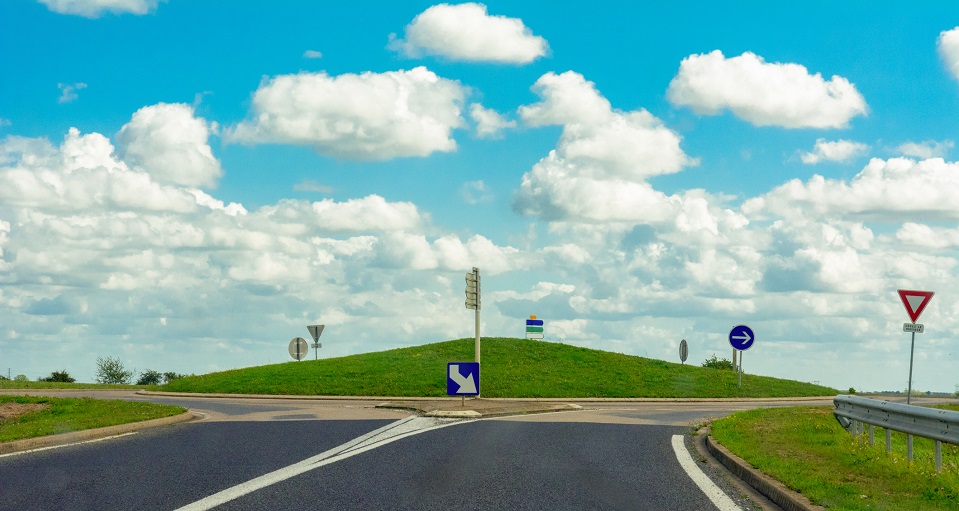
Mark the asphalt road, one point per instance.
(607, 456)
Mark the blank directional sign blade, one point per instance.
(462, 378)
(299, 348)
(915, 302)
(683, 350)
(316, 331)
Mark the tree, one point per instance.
(21, 377)
(715, 363)
(149, 377)
(58, 376)
(111, 370)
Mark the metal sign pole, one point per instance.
(912, 350)
(740, 369)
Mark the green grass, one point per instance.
(75, 414)
(511, 368)
(806, 449)
(12, 384)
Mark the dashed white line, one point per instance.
(716, 495)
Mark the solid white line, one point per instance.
(390, 433)
(38, 449)
(717, 496)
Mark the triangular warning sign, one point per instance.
(915, 302)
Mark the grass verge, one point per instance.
(511, 368)
(66, 415)
(807, 450)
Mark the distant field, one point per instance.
(806, 449)
(511, 368)
(11, 384)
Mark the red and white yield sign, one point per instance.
(915, 302)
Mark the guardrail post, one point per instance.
(909, 447)
(938, 457)
(888, 440)
(872, 436)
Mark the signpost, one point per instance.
(298, 348)
(683, 351)
(316, 331)
(741, 338)
(534, 328)
(915, 302)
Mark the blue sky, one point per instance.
(187, 187)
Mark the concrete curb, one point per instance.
(772, 489)
(90, 434)
(524, 399)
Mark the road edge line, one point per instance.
(714, 493)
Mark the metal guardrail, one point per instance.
(853, 412)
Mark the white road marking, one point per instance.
(390, 433)
(38, 449)
(716, 495)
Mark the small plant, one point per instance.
(58, 376)
(718, 363)
(111, 370)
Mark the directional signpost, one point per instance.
(298, 348)
(915, 302)
(463, 379)
(534, 328)
(741, 338)
(316, 331)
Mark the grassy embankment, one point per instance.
(75, 414)
(806, 449)
(511, 368)
(45, 385)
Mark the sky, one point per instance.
(186, 187)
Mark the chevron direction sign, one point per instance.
(534, 328)
(462, 379)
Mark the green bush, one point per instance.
(111, 370)
(715, 363)
(150, 377)
(58, 376)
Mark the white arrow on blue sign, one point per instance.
(741, 337)
(462, 378)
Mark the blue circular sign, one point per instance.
(741, 337)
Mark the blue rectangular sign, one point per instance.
(463, 379)
(534, 322)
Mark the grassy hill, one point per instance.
(511, 368)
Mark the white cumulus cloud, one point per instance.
(839, 151)
(467, 32)
(898, 189)
(68, 91)
(170, 143)
(368, 116)
(763, 93)
(489, 123)
(948, 45)
(926, 149)
(96, 8)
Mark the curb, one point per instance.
(772, 489)
(62, 439)
(523, 399)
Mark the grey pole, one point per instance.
(912, 350)
(740, 369)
